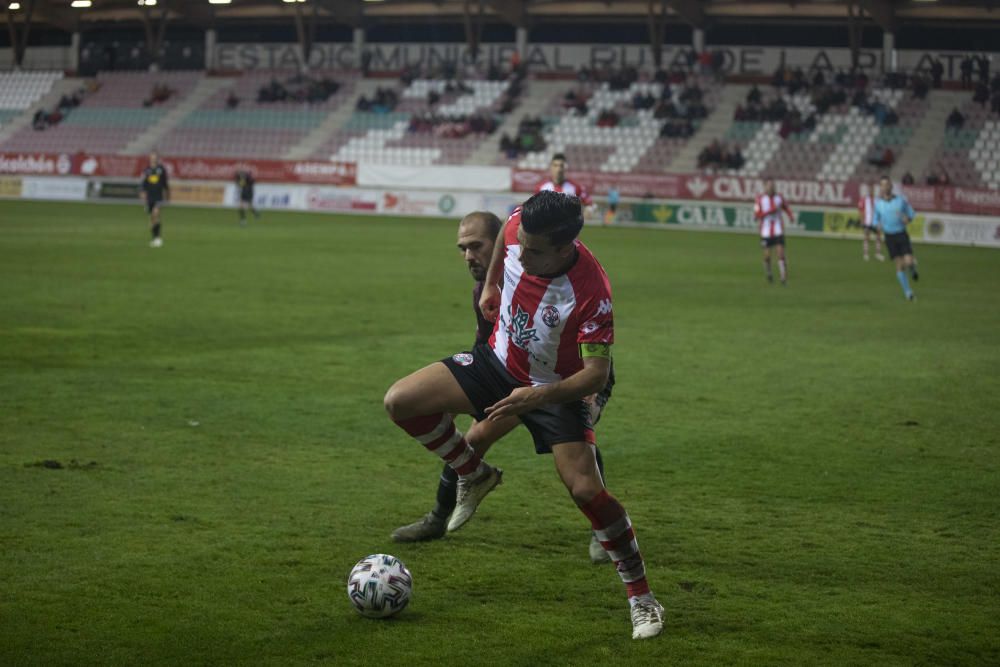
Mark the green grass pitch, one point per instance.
(813, 471)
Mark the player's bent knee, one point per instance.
(396, 402)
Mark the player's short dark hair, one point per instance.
(492, 222)
(558, 156)
(554, 215)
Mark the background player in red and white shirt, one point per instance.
(559, 183)
(550, 348)
(769, 209)
(866, 209)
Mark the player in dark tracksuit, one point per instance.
(244, 183)
(155, 188)
(477, 235)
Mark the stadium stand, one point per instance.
(969, 154)
(110, 116)
(258, 114)
(621, 126)
(429, 121)
(21, 91)
(640, 125)
(841, 132)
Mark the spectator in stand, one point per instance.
(711, 155)
(908, 179)
(955, 120)
(995, 102)
(753, 97)
(937, 72)
(982, 94)
(920, 87)
(984, 68)
(882, 158)
(608, 118)
(734, 158)
(40, 120)
(938, 177)
(966, 68)
(232, 101)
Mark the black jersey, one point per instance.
(484, 328)
(154, 182)
(245, 182)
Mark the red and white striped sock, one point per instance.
(865, 246)
(783, 270)
(614, 529)
(438, 434)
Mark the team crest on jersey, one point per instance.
(550, 315)
(590, 327)
(462, 359)
(518, 330)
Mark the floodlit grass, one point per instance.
(812, 470)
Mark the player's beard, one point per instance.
(478, 271)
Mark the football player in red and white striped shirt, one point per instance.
(550, 348)
(559, 183)
(769, 209)
(866, 208)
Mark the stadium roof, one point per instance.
(522, 13)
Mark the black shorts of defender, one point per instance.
(485, 381)
(246, 196)
(772, 241)
(898, 244)
(153, 203)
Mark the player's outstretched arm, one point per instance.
(588, 380)
(489, 301)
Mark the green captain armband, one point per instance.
(602, 350)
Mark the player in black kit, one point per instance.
(155, 190)
(245, 183)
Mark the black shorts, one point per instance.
(772, 241)
(153, 202)
(898, 244)
(246, 196)
(485, 381)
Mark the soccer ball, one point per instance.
(379, 586)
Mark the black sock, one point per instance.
(243, 214)
(447, 491)
(600, 464)
(156, 231)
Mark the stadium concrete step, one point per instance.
(923, 145)
(48, 102)
(534, 100)
(714, 127)
(336, 120)
(205, 89)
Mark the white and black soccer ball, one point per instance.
(379, 586)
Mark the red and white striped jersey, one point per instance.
(568, 187)
(542, 321)
(866, 207)
(768, 211)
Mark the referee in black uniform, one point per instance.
(155, 191)
(245, 183)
